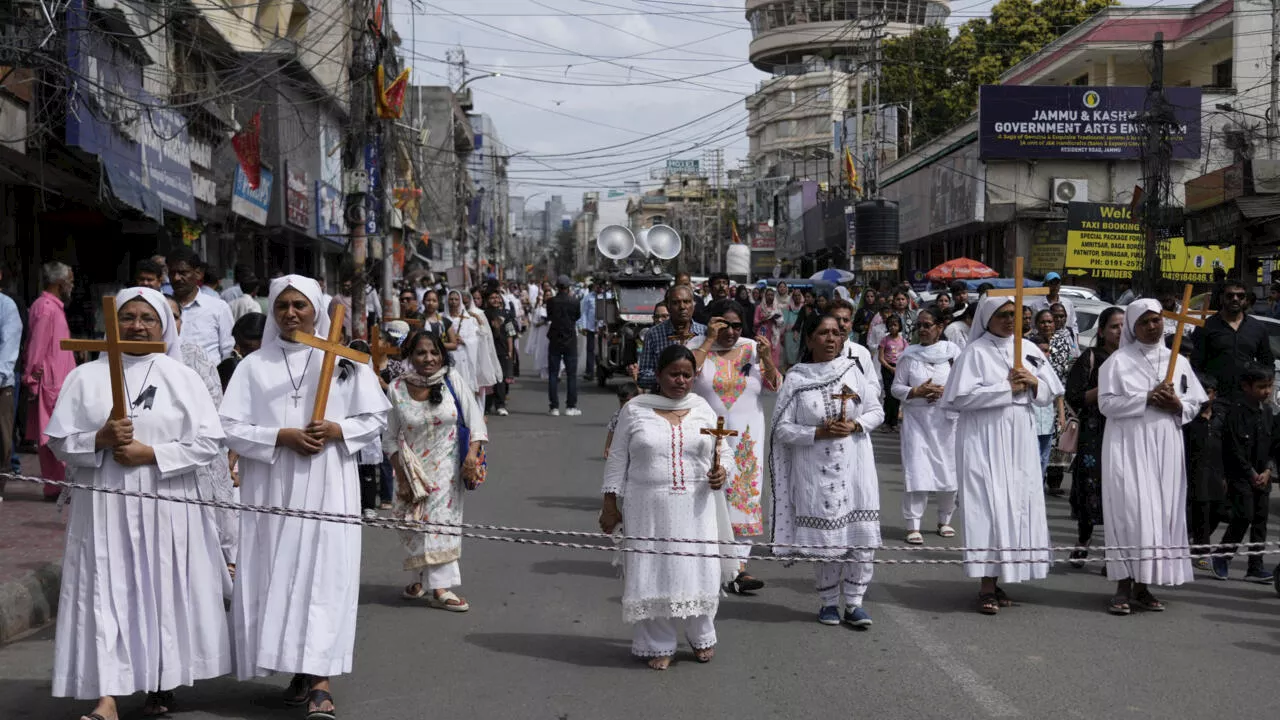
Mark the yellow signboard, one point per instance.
(1103, 241)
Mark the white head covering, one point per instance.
(168, 328)
(986, 308)
(308, 287)
(1132, 313)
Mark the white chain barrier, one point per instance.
(616, 541)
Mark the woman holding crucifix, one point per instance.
(1144, 480)
(660, 466)
(825, 489)
(141, 604)
(298, 580)
(997, 455)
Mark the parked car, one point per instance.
(1076, 291)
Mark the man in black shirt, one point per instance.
(563, 312)
(1248, 456)
(719, 287)
(1229, 341)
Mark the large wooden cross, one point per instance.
(844, 396)
(1017, 293)
(381, 350)
(113, 346)
(1184, 317)
(332, 347)
(720, 433)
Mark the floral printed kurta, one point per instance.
(731, 384)
(430, 432)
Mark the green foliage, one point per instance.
(939, 74)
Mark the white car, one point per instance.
(1076, 291)
(1087, 312)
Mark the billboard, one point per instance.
(682, 167)
(1079, 122)
(1104, 241)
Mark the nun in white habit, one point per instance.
(1144, 482)
(141, 603)
(997, 455)
(298, 580)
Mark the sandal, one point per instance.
(704, 655)
(1119, 605)
(299, 687)
(92, 716)
(988, 603)
(915, 538)
(157, 703)
(659, 663)
(1004, 599)
(1146, 601)
(409, 593)
(448, 601)
(744, 584)
(315, 699)
(946, 531)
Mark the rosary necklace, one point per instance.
(297, 391)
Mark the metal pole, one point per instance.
(1274, 106)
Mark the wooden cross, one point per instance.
(412, 322)
(381, 350)
(844, 396)
(1184, 318)
(720, 433)
(113, 346)
(682, 337)
(332, 347)
(1017, 293)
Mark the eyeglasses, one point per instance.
(146, 321)
(734, 326)
(408, 298)
(926, 325)
(1235, 295)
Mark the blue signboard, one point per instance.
(373, 201)
(1079, 122)
(143, 146)
(249, 202)
(331, 222)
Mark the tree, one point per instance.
(938, 75)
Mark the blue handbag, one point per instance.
(464, 443)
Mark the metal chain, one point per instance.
(458, 529)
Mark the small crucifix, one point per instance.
(1185, 317)
(844, 396)
(332, 347)
(113, 346)
(1017, 293)
(720, 433)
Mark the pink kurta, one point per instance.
(47, 366)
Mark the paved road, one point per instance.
(545, 637)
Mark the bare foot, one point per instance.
(105, 709)
(705, 654)
(660, 663)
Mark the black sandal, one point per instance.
(158, 703)
(1146, 601)
(299, 688)
(744, 584)
(988, 603)
(315, 698)
(1004, 599)
(1119, 605)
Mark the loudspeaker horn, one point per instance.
(664, 242)
(616, 242)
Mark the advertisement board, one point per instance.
(879, 263)
(762, 237)
(1079, 122)
(1104, 241)
(682, 167)
(249, 203)
(1049, 248)
(297, 197)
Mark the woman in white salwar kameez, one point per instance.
(997, 454)
(488, 367)
(825, 489)
(732, 374)
(537, 343)
(298, 580)
(141, 602)
(928, 431)
(660, 466)
(422, 441)
(1144, 482)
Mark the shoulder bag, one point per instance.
(475, 478)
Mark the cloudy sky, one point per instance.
(593, 93)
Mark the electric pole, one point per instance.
(1274, 107)
(1157, 152)
(364, 58)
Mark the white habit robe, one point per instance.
(928, 430)
(997, 453)
(298, 580)
(1144, 482)
(141, 603)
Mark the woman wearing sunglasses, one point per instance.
(732, 374)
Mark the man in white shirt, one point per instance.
(247, 301)
(206, 319)
(241, 272)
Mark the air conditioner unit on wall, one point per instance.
(1068, 190)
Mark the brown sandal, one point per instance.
(988, 603)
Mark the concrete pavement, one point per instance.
(545, 638)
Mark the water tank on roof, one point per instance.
(737, 261)
(877, 226)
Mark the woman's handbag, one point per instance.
(474, 478)
(1069, 437)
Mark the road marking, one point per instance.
(994, 702)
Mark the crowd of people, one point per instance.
(155, 595)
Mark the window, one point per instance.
(1082, 80)
(1222, 74)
